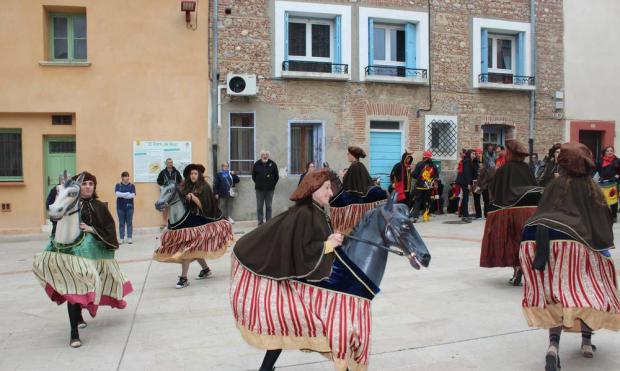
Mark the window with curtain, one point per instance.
(67, 37)
(241, 157)
(11, 155)
(306, 145)
(501, 53)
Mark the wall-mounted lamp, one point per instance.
(188, 6)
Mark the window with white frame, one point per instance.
(389, 44)
(441, 136)
(306, 145)
(393, 43)
(311, 39)
(312, 45)
(502, 53)
(241, 156)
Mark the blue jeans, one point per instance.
(125, 218)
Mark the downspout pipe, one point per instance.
(215, 92)
(532, 121)
(430, 63)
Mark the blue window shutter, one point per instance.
(337, 41)
(484, 50)
(410, 47)
(371, 41)
(520, 54)
(286, 36)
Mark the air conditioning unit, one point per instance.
(241, 85)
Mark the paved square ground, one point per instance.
(452, 316)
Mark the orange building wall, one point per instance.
(148, 80)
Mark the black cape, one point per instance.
(289, 246)
(568, 207)
(95, 214)
(512, 183)
(357, 179)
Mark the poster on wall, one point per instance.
(149, 158)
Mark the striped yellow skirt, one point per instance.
(84, 272)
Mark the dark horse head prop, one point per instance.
(379, 230)
(400, 232)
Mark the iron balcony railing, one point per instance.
(397, 71)
(308, 66)
(503, 78)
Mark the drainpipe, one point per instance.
(532, 123)
(430, 60)
(215, 92)
(220, 88)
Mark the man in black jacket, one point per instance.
(265, 177)
(170, 173)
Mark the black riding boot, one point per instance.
(271, 356)
(75, 313)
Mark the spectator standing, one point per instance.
(224, 190)
(265, 176)
(476, 162)
(125, 194)
(465, 179)
(551, 169)
(169, 174)
(310, 167)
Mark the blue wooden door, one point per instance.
(385, 152)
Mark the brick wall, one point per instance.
(246, 46)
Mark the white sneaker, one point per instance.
(121, 241)
(231, 220)
(129, 241)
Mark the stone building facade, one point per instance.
(467, 84)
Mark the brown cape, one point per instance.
(572, 211)
(290, 245)
(210, 208)
(357, 179)
(94, 213)
(511, 183)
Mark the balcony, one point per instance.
(397, 75)
(315, 70)
(505, 81)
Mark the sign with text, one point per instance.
(149, 158)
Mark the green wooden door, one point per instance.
(59, 155)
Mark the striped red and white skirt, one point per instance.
(502, 236)
(344, 219)
(289, 314)
(208, 241)
(577, 284)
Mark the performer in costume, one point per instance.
(514, 195)
(78, 264)
(358, 194)
(609, 174)
(551, 167)
(400, 177)
(201, 233)
(425, 174)
(570, 278)
(289, 259)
